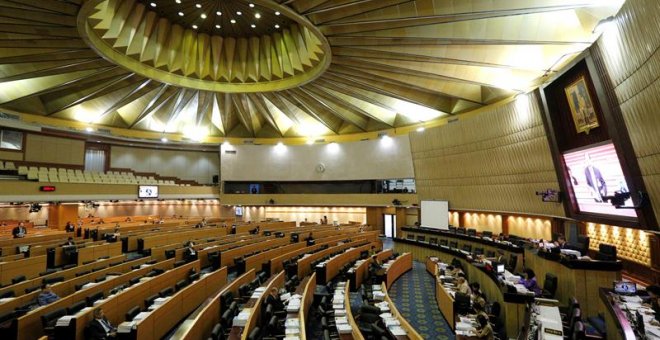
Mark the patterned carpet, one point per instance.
(414, 296)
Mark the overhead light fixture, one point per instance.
(253, 25)
(218, 13)
(277, 26)
(89, 129)
(177, 1)
(198, 5)
(203, 15)
(164, 140)
(277, 13)
(232, 21)
(180, 14)
(153, 4)
(421, 129)
(239, 13)
(194, 26)
(603, 24)
(251, 5)
(217, 26)
(257, 15)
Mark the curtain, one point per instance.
(95, 160)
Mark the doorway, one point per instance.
(390, 225)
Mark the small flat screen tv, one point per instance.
(595, 174)
(239, 211)
(148, 191)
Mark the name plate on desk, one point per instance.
(553, 331)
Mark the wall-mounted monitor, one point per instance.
(254, 188)
(147, 191)
(239, 211)
(595, 175)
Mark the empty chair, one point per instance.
(75, 308)
(549, 286)
(10, 293)
(421, 238)
(132, 313)
(472, 232)
(180, 285)
(254, 335)
(166, 292)
(18, 279)
(150, 300)
(606, 252)
(89, 300)
(48, 320)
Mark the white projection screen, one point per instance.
(435, 214)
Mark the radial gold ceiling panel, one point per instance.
(279, 68)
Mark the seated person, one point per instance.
(69, 227)
(561, 243)
(204, 223)
(69, 242)
(255, 231)
(19, 231)
(454, 271)
(462, 285)
(273, 298)
(476, 291)
(484, 330)
(100, 328)
(479, 307)
(190, 254)
(114, 236)
(530, 282)
(496, 321)
(309, 239)
(47, 296)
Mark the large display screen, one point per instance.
(435, 214)
(148, 191)
(594, 174)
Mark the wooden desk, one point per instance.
(308, 287)
(401, 265)
(254, 306)
(169, 314)
(355, 330)
(334, 265)
(170, 237)
(616, 321)
(579, 279)
(97, 251)
(201, 322)
(30, 267)
(444, 300)
(412, 333)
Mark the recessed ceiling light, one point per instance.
(153, 4)
(177, 1)
(198, 5)
(277, 13)
(218, 13)
(239, 13)
(277, 26)
(251, 5)
(232, 21)
(253, 25)
(180, 14)
(257, 15)
(203, 15)
(217, 26)
(194, 26)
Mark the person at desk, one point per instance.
(273, 298)
(19, 231)
(484, 330)
(462, 286)
(530, 282)
(70, 228)
(310, 239)
(69, 242)
(100, 328)
(476, 291)
(190, 254)
(47, 296)
(561, 243)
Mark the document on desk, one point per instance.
(344, 328)
(397, 330)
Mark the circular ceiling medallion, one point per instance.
(223, 46)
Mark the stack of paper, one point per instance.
(344, 328)
(64, 321)
(397, 330)
(241, 319)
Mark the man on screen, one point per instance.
(595, 179)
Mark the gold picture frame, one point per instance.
(582, 108)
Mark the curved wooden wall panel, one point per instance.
(631, 54)
(495, 161)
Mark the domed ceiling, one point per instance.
(278, 69)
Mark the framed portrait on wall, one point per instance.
(582, 108)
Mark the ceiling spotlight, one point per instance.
(177, 1)
(180, 14)
(153, 4)
(251, 5)
(194, 26)
(217, 26)
(203, 15)
(232, 21)
(257, 15)
(239, 13)
(277, 26)
(218, 13)
(277, 13)
(89, 129)
(253, 26)
(421, 129)
(164, 140)
(198, 5)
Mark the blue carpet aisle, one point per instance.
(414, 296)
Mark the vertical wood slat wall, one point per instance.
(630, 51)
(495, 161)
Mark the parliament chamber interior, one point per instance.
(329, 169)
